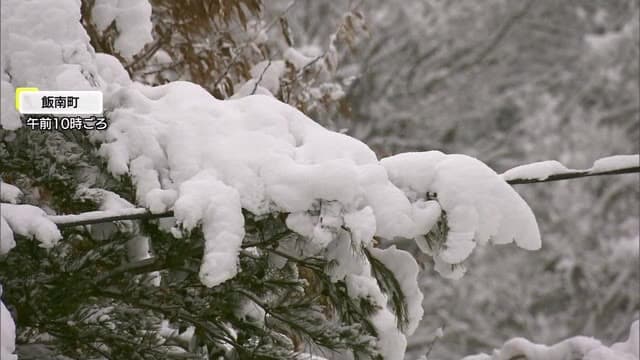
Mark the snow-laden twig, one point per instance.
(97, 217)
(545, 171)
(575, 175)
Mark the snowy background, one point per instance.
(504, 82)
(513, 83)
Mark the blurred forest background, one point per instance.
(507, 81)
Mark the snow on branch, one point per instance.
(578, 347)
(552, 170)
(97, 217)
(539, 172)
(203, 161)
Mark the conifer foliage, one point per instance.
(258, 234)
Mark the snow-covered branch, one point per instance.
(578, 347)
(539, 172)
(296, 223)
(97, 217)
(575, 175)
(552, 170)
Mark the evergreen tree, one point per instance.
(145, 242)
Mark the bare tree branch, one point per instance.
(255, 86)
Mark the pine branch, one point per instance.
(98, 217)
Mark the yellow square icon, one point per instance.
(20, 90)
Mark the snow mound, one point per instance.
(615, 162)
(51, 51)
(26, 220)
(179, 144)
(185, 148)
(479, 205)
(9, 193)
(208, 159)
(536, 171)
(132, 19)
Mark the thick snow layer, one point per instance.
(579, 348)
(7, 333)
(208, 160)
(480, 206)
(132, 19)
(50, 51)
(9, 193)
(176, 140)
(204, 199)
(406, 270)
(536, 171)
(28, 221)
(615, 162)
(181, 144)
(269, 155)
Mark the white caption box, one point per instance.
(61, 102)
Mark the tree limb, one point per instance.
(575, 175)
(98, 217)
